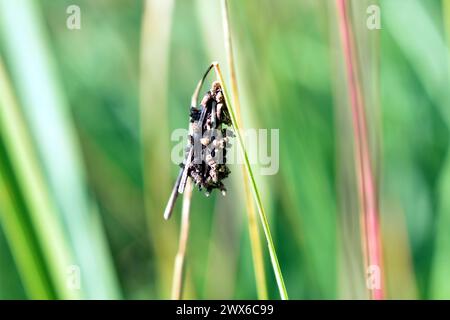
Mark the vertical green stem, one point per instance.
(255, 241)
(42, 212)
(256, 195)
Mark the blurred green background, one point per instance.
(85, 124)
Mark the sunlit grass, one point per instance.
(86, 118)
(255, 240)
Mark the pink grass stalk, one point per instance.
(371, 236)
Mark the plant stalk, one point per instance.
(256, 195)
(255, 240)
(180, 258)
(366, 182)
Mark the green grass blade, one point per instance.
(256, 194)
(257, 254)
(42, 213)
(24, 250)
(46, 110)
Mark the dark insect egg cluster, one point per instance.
(208, 141)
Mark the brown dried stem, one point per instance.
(180, 258)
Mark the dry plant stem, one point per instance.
(180, 258)
(255, 241)
(256, 195)
(178, 273)
(366, 182)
